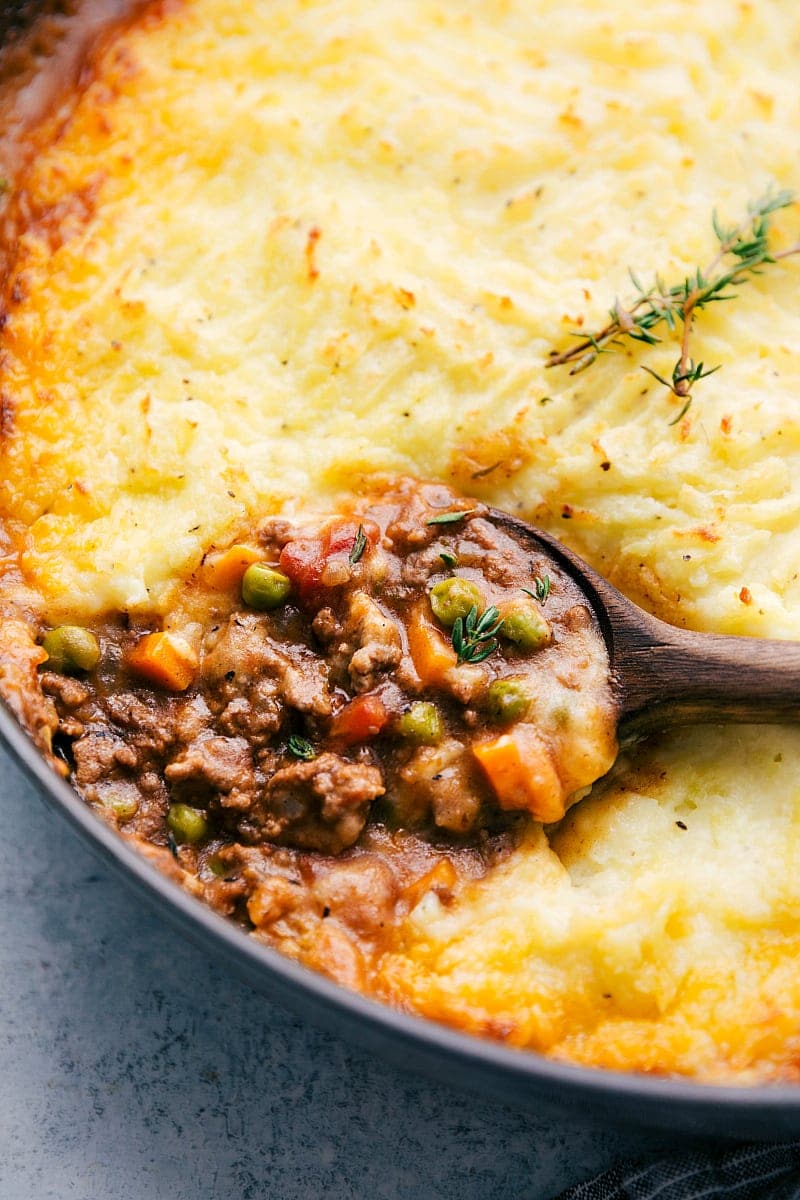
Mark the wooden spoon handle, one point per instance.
(667, 676)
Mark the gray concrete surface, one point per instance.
(132, 1068)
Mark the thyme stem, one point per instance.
(745, 245)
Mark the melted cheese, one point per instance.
(275, 247)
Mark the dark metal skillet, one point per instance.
(662, 676)
(666, 676)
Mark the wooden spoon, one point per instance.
(666, 676)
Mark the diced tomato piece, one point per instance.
(303, 560)
(361, 719)
(341, 537)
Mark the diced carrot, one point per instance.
(165, 659)
(431, 654)
(361, 719)
(521, 770)
(224, 571)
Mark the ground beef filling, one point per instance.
(340, 718)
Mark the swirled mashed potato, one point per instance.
(271, 248)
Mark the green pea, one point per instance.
(217, 867)
(422, 723)
(263, 587)
(123, 807)
(71, 648)
(453, 598)
(507, 700)
(526, 628)
(187, 824)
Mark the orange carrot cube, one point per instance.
(521, 770)
(432, 656)
(165, 659)
(224, 571)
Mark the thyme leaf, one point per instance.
(541, 588)
(682, 413)
(449, 518)
(300, 747)
(742, 253)
(474, 637)
(359, 546)
(448, 559)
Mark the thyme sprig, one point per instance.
(474, 636)
(742, 253)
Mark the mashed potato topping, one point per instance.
(273, 248)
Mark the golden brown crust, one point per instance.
(49, 58)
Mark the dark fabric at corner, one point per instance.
(750, 1172)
